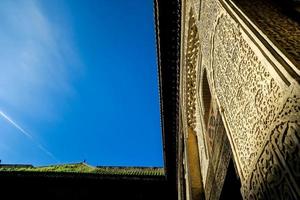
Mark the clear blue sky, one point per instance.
(78, 80)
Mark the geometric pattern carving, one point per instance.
(245, 89)
(190, 85)
(210, 11)
(247, 92)
(277, 172)
(263, 122)
(191, 60)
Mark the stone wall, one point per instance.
(254, 81)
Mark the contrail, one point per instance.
(48, 152)
(15, 125)
(28, 135)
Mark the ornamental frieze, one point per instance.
(192, 53)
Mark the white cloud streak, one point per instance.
(38, 59)
(28, 135)
(15, 125)
(48, 152)
(38, 64)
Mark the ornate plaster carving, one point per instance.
(260, 113)
(220, 156)
(276, 174)
(210, 10)
(245, 89)
(264, 130)
(189, 81)
(192, 53)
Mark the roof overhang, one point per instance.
(168, 34)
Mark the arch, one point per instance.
(221, 171)
(191, 148)
(206, 97)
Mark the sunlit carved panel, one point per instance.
(246, 91)
(209, 12)
(277, 172)
(190, 78)
(191, 60)
(252, 96)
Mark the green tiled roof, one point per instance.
(85, 168)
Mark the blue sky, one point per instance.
(78, 81)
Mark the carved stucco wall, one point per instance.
(259, 101)
(238, 73)
(219, 156)
(190, 77)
